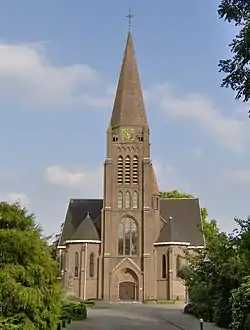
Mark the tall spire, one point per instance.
(129, 109)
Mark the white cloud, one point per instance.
(27, 76)
(84, 181)
(75, 178)
(15, 197)
(228, 132)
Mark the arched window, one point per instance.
(76, 273)
(178, 265)
(127, 170)
(135, 200)
(127, 200)
(91, 264)
(127, 237)
(135, 170)
(120, 170)
(163, 266)
(119, 200)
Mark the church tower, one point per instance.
(130, 215)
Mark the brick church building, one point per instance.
(128, 245)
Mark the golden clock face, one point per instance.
(127, 134)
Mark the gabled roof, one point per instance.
(86, 230)
(185, 223)
(129, 106)
(77, 212)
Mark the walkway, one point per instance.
(138, 316)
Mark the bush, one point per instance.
(222, 311)
(74, 311)
(240, 302)
(89, 303)
(189, 309)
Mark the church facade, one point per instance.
(128, 245)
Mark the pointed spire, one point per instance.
(129, 106)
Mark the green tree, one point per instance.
(53, 244)
(30, 294)
(217, 287)
(237, 68)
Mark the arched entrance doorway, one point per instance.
(128, 285)
(127, 291)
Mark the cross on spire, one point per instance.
(129, 16)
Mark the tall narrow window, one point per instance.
(135, 170)
(127, 170)
(127, 200)
(120, 170)
(91, 264)
(135, 200)
(127, 237)
(164, 266)
(76, 264)
(119, 200)
(178, 265)
(120, 239)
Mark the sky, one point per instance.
(59, 65)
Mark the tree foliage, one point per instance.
(30, 294)
(54, 244)
(237, 68)
(219, 290)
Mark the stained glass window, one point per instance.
(127, 237)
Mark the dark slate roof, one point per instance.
(185, 225)
(77, 212)
(86, 230)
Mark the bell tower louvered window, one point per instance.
(120, 170)
(127, 170)
(135, 170)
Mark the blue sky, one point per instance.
(59, 64)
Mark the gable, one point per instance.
(185, 225)
(78, 209)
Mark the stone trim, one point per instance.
(82, 241)
(108, 161)
(130, 260)
(172, 243)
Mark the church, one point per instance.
(129, 245)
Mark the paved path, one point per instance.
(138, 316)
